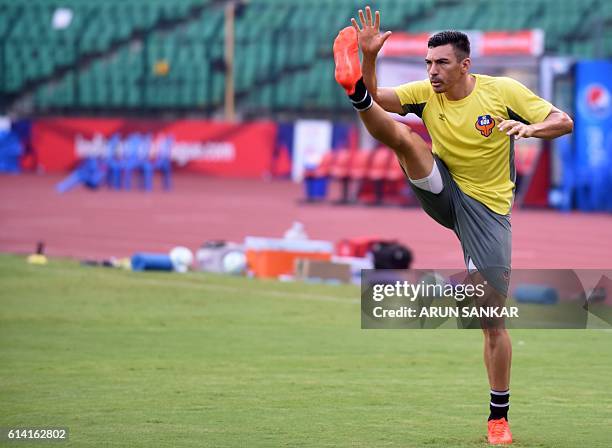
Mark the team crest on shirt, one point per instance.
(485, 125)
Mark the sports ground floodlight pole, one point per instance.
(230, 11)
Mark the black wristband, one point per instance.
(361, 98)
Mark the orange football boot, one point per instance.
(346, 57)
(499, 432)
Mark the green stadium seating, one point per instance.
(106, 58)
(33, 50)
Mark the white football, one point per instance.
(182, 258)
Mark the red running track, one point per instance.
(86, 224)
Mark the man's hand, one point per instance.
(556, 124)
(513, 127)
(370, 39)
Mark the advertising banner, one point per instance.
(593, 135)
(483, 43)
(311, 140)
(215, 148)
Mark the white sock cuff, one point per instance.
(497, 392)
(495, 405)
(432, 183)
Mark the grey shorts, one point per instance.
(485, 236)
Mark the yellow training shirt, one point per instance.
(478, 155)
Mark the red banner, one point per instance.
(216, 148)
(483, 43)
(406, 44)
(525, 42)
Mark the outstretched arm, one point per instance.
(371, 41)
(556, 124)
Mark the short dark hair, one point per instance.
(459, 41)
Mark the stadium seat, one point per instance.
(111, 48)
(342, 164)
(324, 167)
(357, 173)
(360, 164)
(133, 158)
(113, 160)
(396, 188)
(158, 159)
(89, 173)
(340, 171)
(375, 175)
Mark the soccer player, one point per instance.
(466, 181)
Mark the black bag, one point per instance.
(391, 255)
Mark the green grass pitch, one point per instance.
(152, 359)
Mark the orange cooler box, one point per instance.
(271, 257)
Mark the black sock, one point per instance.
(361, 99)
(500, 403)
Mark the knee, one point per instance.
(401, 138)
